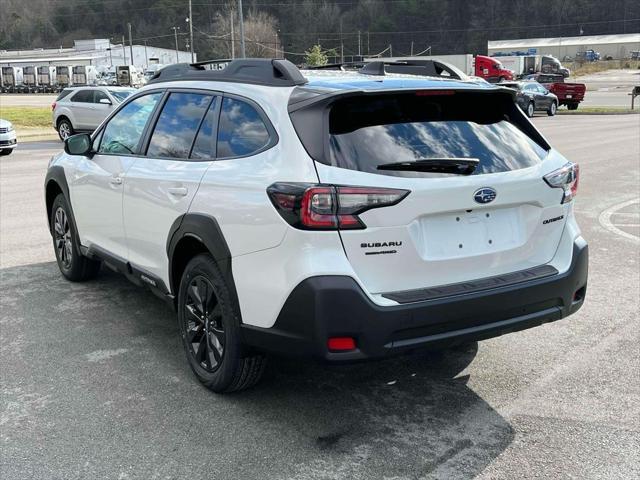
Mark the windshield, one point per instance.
(120, 95)
(366, 132)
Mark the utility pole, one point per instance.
(146, 56)
(412, 48)
(124, 52)
(130, 43)
(242, 49)
(110, 56)
(175, 34)
(233, 37)
(390, 50)
(359, 45)
(191, 32)
(368, 44)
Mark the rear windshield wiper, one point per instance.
(459, 166)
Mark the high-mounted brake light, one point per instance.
(328, 207)
(566, 177)
(431, 93)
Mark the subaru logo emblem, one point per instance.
(485, 195)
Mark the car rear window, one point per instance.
(120, 95)
(366, 131)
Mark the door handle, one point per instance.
(178, 191)
(116, 180)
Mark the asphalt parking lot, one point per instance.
(95, 384)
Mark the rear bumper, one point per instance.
(335, 306)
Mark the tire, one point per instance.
(65, 129)
(531, 108)
(6, 151)
(210, 330)
(572, 106)
(553, 108)
(72, 264)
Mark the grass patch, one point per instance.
(585, 68)
(33, 117)
(599, 111)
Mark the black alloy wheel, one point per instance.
(203, 324)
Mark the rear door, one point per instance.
(82, 108)
(450, 228)
(161, 185)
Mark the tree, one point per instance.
(315, 57)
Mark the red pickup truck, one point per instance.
(569, 94)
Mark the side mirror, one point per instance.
(105, 101)
(79, 144)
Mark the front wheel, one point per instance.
(6, 151)
(210, 329)
(72, 264)
(553, 108)
(531, 108)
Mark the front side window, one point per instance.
(124, 131)
(242, 131)
(98, 95)
(177, 125)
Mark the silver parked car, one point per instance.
(82, 109)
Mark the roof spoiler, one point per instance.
(256, 71)
(429, 68)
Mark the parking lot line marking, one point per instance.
(605, 220)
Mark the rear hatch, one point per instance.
(450, 228)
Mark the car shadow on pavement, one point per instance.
(109, 373)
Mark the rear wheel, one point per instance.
(72, 264)
(553, 108)
(65, 129)
(572, 106)
(531, 108)
(210, 329)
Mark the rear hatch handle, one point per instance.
(458, 166)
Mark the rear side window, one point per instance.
(369, 131)
(242, 131)
(63, 94)
(124, 131)
(83, 96)
(204, 147)
(178, 125)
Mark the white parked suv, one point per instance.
(82, 109)
(8, 138)
(341, 216)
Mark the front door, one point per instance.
(98, 182)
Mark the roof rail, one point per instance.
(256, 71)
(429, 68)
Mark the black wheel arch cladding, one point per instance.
(206, 231)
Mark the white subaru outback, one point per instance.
(341, 216)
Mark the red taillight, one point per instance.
(53, 106)
(329, 207)
(567, 178)
(341, 344)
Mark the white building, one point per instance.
(618, 46)
(96, 52)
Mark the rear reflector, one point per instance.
(341, 344)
